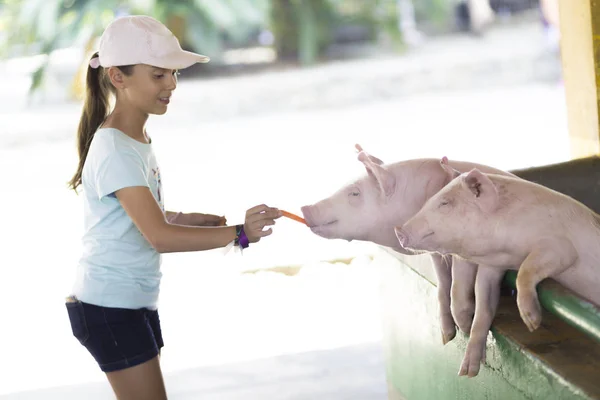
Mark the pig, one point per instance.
(576, 178)
(369, 209)
(500, 223)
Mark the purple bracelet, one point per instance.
(241, 237)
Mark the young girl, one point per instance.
(113, 307)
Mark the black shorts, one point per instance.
(117, 338)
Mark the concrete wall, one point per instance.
(556, 361)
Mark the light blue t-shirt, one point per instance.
(118, 267)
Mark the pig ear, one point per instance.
(482, 187)
(376, 160)
(375, 169)
(451, 172)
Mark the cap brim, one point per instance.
(179, 60)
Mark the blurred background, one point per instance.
(273, 118)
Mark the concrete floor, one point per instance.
(347, 373)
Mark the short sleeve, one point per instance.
(118, 170)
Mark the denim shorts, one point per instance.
(117, 338)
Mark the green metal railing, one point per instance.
(565, 304)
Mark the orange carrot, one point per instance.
(293, 216)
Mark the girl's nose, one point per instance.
(172, 83)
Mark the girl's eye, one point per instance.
(175, 73)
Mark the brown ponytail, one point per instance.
(95, 111)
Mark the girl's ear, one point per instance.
(116, 77)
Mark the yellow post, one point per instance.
(580, 50)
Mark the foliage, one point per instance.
(41, 26)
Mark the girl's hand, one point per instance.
(256, 219)
(199, 219)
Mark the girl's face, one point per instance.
(148, 89)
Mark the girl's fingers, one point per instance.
(262, 234)
(257, 209)
(270, 214)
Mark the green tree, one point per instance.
(304, 29)
(41, 26)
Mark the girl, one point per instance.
(113, 307)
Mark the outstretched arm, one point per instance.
(165, 237)
(195, 219)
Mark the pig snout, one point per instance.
(321, 220)
(414, 236)
(402, 236)
(318, 214)
(307, 213)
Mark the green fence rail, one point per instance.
(565, 304)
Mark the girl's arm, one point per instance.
(145, 213)
(175, 217)
(194, 219)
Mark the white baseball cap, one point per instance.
(140, 39)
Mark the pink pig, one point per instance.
(501, 223)
(370, 208)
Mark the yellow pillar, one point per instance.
(580, 49)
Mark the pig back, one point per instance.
(579, 179)
(465, 166)
(530, 210)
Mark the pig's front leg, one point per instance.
(462, 295)
(549, 257)
(443, 272)
(487, 295)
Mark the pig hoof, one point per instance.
(448, 328)
(472, 361)
(530, 310)
(532, 322)
(448, 336)
(473, 374)
(469, 370)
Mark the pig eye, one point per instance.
(444, 203)
(353, 192)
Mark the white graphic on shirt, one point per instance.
(158, 181)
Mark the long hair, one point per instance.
(95, 111)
